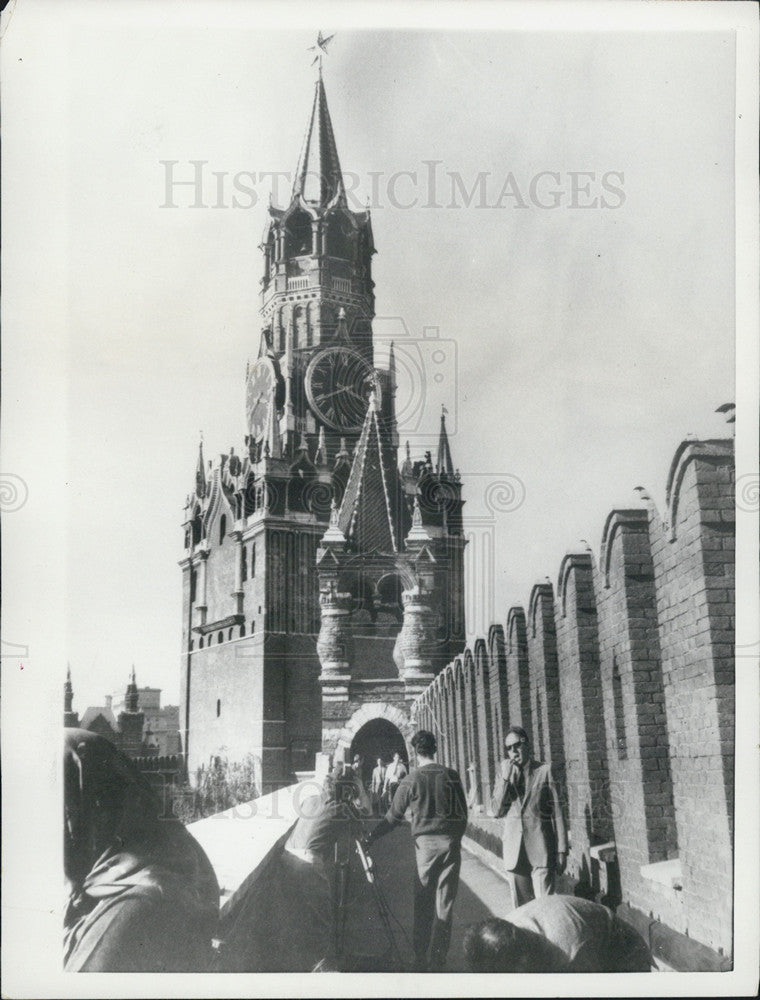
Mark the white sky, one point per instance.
(581, 344)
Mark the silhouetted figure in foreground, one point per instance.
(143, 896)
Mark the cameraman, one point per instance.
(436, 799)
(322, 835)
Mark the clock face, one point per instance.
(338, 384)
(262, 380)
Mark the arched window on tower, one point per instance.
(222, 528)
(220, 637)
(299, 327)
(253, 559)
(338, 238)
(243, 564)
(197, 529)
(218, 707)
(298, 235)
(193, 584)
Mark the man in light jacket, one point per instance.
(533, 836)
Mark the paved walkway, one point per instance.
(272, 929)
(482, 894)
(268, 919)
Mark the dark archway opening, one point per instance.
(377, 738)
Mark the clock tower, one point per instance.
(322, 584)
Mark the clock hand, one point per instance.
(342, 388)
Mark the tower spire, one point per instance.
(318, 179)
(130, 701)
(443, 462)
(200, 472)
(70, 717)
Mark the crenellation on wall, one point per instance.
(543, 666)
(518, 682)
(624, 680)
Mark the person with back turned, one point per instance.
(533, 838)
(436, 800)
(556, 934)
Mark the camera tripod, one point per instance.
(357, 963)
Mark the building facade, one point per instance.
(322, 581)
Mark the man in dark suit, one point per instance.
(533, 836)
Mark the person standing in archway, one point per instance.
(435, 797)
(395, 771)
(378, 784)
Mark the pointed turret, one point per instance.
(131, 698)
(341, 330)
(320, 456)
(200, 472)
(443, 464)
(366, 515)
(70, 717)
(318, 179)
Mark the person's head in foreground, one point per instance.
(556, 933)
(424, 744)
(143, 896)
(498, 946)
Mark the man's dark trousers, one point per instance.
(439, 859)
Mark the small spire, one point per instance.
(200, 475)
(443, 464)
(68, 700)
(130, 701)
(416, 515)
(372, 405)
(341, 331)
(320, 457)
(392, 367)
(343, 455)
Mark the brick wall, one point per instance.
(625, 682)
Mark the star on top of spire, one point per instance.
(320, 48)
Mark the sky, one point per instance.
(570, 277)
